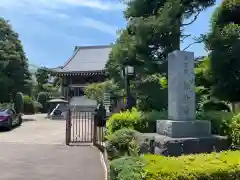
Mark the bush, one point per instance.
(215, 166)
(37, 106)
(28, 105)
(220, 121)
(19, 103)
(126, 168)
(144, 122)
(5, 105)
(127, 119)
(123, 142)
(42, 99)
(235, 130)
(212, 105)
(148, 120)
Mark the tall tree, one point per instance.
(224, 44)
(42, 76)
(16, 74)
(154, 29)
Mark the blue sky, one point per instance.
(50, 29)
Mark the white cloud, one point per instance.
(106, 5)
(95, 24)
(58, 9)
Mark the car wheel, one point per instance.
(9, 124)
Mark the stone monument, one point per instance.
(181, 100)
(182, 133)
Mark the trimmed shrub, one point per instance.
(235, 130)
(127, 168)
(123, 142)
(220, 121)
(28, 105)
(214, 166)
(37, 106)
(42, 99)
(19, 103)
(148, 120)
(144, 122)
(212, 105)
(127, 119)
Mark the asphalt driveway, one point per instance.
(36, 151)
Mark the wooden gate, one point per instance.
(80, 125)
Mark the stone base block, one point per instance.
(182, 146)
(184, 129)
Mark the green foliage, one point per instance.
(37, 106)
(223, 42)
(51, 90)
(42, 99)
(127, 119)
(19, 102)
(220, 121)
(235, 130)
(15, 76)
(153, 31)
(42, 76)
(127, 168)
(212, 105)
(152, 93)
(147, 123)
(5, 105)
(95, 91)
(214, 166)
(203, 73)
(144, 122)
(28, 105)
(123, 142)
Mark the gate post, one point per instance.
(95, 128)
(68, 127)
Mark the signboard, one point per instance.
(106, 100)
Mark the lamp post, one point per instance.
(128, 73)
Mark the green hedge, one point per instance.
(28, 105)
(214, 166)
(127, 168)
(123, 142)
(220, 121)
(144, 122)
(235, 130)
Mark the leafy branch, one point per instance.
(197, 40)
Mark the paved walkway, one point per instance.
(36, 151)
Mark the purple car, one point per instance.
(9, 118)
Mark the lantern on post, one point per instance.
(128, 73)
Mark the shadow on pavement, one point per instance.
(28, 119)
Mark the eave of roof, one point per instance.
(79, 73)
(86, 59)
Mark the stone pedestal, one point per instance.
(167, 146)
(183, 146)
(184, 129)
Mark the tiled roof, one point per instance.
(86, 59)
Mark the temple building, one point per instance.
(85, 66)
